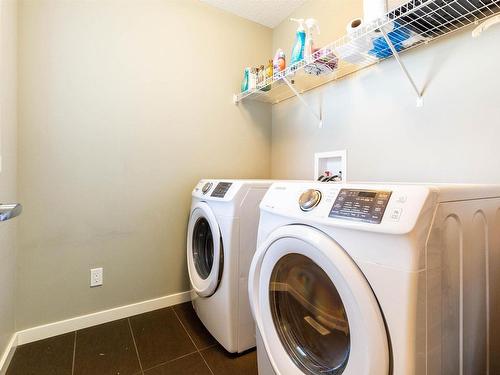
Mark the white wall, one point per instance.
(8, 173)
(125, 105)
(453, 138)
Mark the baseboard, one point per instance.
(8, 354)
(100, 317)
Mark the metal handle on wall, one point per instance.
(10, 211)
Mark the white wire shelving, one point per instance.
(415, 23)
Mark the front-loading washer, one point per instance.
(377, 279)
(221, 241)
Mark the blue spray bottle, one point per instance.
(300, 42)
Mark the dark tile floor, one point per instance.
(162, 342)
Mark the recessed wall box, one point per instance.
(331, 163)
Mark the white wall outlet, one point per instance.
(95, 277)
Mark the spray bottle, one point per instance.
(311, 25)
(300, 42)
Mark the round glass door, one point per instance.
(204, 251)
(203, 248)
(309, 316)
(315, 310)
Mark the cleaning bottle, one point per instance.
(246, 77)
(279, 63)
(300, 42)
(268, 74)
(311, 25)
(252, 79)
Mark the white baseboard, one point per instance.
(8, 354)
(100, 317)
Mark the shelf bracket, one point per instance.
(420, 99)
(306, 104)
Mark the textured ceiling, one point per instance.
(269, 13)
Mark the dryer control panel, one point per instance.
(221, 189)
(360, 205)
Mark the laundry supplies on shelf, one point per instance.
(300, 42)
(255, 78)
(311, 26)
(373, 10)
(397, 37)
(352, 52)
(412, 24)
(319, 61)
(324, 61)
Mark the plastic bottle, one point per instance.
(244, 83)
(268, 75)
(252, 79)
(261, 75)
(300, 42)
(279, 62)
(311, 25)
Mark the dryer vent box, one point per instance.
(333, 162)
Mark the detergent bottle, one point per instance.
(279, 63)
(311, 25)
(246, 78)
(300, 42)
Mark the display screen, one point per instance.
(360, 205)
(367, 194)
(221, 189)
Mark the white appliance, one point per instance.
(221, 241)
(375, 279)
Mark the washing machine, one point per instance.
(374, 279)
(221, 240)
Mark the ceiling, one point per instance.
(269, 13)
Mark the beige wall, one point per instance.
(125, 105)
(453, 138)
(8, 173)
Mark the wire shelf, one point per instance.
(415, 23)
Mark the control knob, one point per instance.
(309, 199)
(206, 187)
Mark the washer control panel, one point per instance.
(221, 189)
(360, 205)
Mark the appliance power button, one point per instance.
(396, 213)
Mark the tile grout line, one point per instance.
(74, 354)
(185, 329)
(204, 360)
(135, 345)
(171, 360)
(196, 346)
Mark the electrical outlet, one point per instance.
(96, 277)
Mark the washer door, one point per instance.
(314, 308)
(204, 251)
